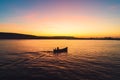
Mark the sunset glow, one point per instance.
(80, 18)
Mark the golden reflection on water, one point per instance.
(75, 47)
(84, 58)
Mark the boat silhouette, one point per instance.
(63, 50)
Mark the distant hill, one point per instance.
(5, 35)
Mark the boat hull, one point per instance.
(64, 50)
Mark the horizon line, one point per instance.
(58, 35)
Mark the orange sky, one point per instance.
(80, 19)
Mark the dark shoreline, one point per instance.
(18, 36)
(60, 39)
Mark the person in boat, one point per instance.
(57, 48)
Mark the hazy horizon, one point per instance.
(78, 18)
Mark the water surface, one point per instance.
(85, 60)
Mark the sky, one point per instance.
(79, 18)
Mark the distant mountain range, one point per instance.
(6, 35)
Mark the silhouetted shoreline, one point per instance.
(5, 35)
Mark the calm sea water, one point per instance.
(85, 60)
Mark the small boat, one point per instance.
(63, 50)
